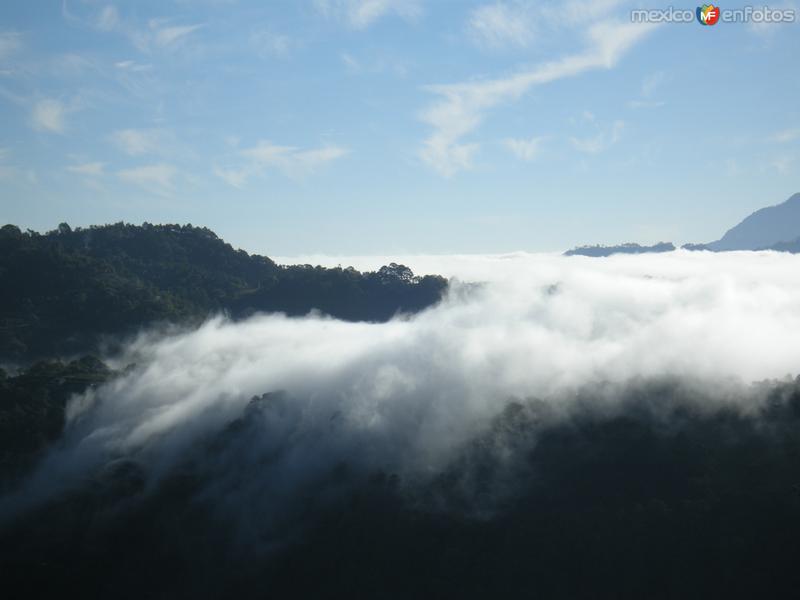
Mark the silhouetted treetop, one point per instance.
(66, 288)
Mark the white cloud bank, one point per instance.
(405, 394)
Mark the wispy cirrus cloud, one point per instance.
(156, 178)
(10, 43)
(361, 14)
(159, 33)
(642, 103)
(132, 66)
(525, 149)
(267, 43)
(785, 136)
(650, 85)
(48, 115)
(462, 106)
(289, 160)
(91, 173)
(166, 35)
(600, 141)
(136, 142)
(783, 164)
(577, 12)
(519, 23)
(108, 18)
(92, 169)
(501, 24)
(12, 173)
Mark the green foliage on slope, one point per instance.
(32, 409)
(655, 500)
(64, 290)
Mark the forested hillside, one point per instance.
(33, 408)
(654, 500)
(66, 289)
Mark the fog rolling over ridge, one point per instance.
(405, 395)
(550, 347)
(549, 411)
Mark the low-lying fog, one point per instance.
(405, 395)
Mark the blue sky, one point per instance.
(394, 126)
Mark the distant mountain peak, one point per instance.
(764, 228)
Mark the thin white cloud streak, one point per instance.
(157, 178)
(600, 142)
(48, 115)
(361, 14)
(786, 136)
(91, 169)
(404, 395)
(499, 25)
(130, 65)
(157, 34)
(11, 173)
(292, 159)
(350, 62)
(235, 177)
(166, 36)
(269, 44)
(10, 43)
(525, 149)
(578, 12)
(646, 103)
(462, 106)
(519, 23)
(14, 174)
(136, 142)
(289, 160)
(783, 164)
(650, 85)
(108, 18)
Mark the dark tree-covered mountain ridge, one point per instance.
(658, 499)
(628, 248)
(33, 406)
(65, 289)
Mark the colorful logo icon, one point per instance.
(708, 14)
